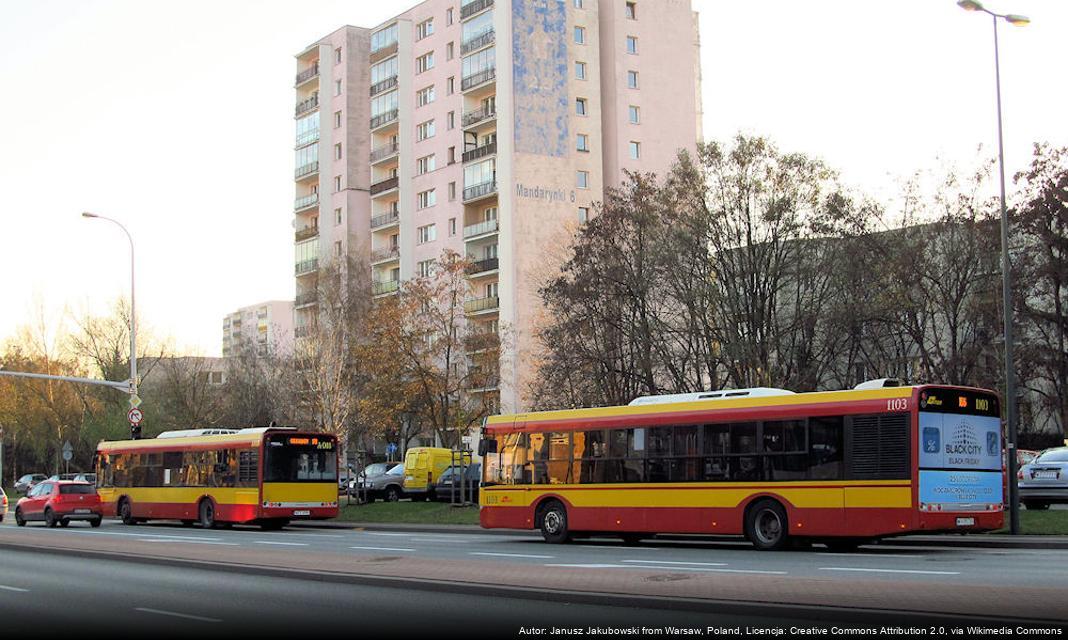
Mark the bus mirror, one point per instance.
(487, 446)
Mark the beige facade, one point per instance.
(265, 328)
(489, 128)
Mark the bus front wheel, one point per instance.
(553, 523)
(207, 514)
(126, 512)
(766, 525)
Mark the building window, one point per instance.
(337, 87)
(632, 79)
(427, 234)
(450, 85)
(632, 45)
(580, 106)
(337, 119)
(631, 11)
(580, 70)
(452, 192)
(452, 221)
(424, 62)
(337, 55)
(635, 114)
(452, 155)
(425, 164)
(337, 151)
(448, 16)
(425, 130)
(583, 142)
(337, 184)
(583, 179)
(424, 96)
(337, 248)
(426, 268)
(337, 216)
(449, 51)
(426, 199)
(424, 29)
(450, 120)
(584, 214)
(580, 35)
(578, 4)
(635, 150)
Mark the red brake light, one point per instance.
(1019, 475)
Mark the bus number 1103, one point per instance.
(897, 404)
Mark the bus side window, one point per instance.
(826, 438)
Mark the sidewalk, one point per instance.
(980, 540)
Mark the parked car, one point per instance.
(86, 477)
(422, 468)
(3, 504)
(388, 486)
(449, 485)
(59, 502)
(66, 477)
(26, 482)
(1024, 456)
(1044, 480)
(371, 471)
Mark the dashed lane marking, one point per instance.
(175, 614)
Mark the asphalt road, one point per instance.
(141, 576)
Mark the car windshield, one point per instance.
(397, 470)
(1057, 455)
(76, 489)
(375, 470)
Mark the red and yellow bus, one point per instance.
(840, 467)
(265, 476)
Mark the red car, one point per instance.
(60, 502)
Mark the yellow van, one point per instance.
(422, 468)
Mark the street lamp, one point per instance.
(135, 430)
(1006, 275)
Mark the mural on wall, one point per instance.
(539, 76)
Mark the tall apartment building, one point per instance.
(266, 327)
(487, 127)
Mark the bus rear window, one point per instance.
(300, 463)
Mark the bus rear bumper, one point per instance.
(962, 521)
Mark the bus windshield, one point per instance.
(300, 459)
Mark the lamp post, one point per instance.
(135, 430)
(1006, 275)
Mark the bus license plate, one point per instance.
(965, 522)
(302, 512)
(81, 511)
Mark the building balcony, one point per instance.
(476, 306)
(484, 39)
(474, 7)
(305, 233)
(481, 230)
(306, 267)
(479, 191)
(383, 119)
(385, 287)
(479, 152)
(383, 85)
(478, 79)
(306, 299)
(385, 220)
(481, 342)
(483, 267)
(307, 138)
(384, 152)
(306, 170)
(383, 186)
(386, 254)
(478, 116)
(305, 202)
(305, 106)
(307, 74)
(383, 52)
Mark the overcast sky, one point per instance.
(176, 118)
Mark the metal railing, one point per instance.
(471, 8)
(385, 185)
(306, 169)
(478, 78)
(487, 37)
(306, 266)
(480, 190)
(308, 297)
(386, 253)
(383, 287)
(305, 201)
(385, 151)
(308, 73)
(480, 151)
(384, 219)
(307, 105)
(305, 233)
(308, 138)
(478, 115)
(383, 85)
(481, 304)
(383, 118)
(489, 226)
(481, 266)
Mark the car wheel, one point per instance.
(1036, 506)
(393, 494)
(766, 525)
(19, 519)
(553, 523)
(126, 513)
(50, 519)
(207, 514)
(95, 523)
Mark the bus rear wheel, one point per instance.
(207, 514)
(552, 521)
(126, 512)
(766, 525)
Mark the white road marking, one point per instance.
(675, 568)
(381, 549)
(282, 544)
(174, 540)
(700, 564)
(510, 555)
(868, 555)
(932, 573)
(175, 614)
(380, 533)
(288, 533)
(605, 547)
(82, 532)
(590, 566)
(4, 587)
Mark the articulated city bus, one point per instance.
(266, 476)
(840, 467)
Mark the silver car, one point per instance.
(383, 480)
(1044, 480)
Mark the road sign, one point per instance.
(135, 416)
(135, 401)
(68, 451)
